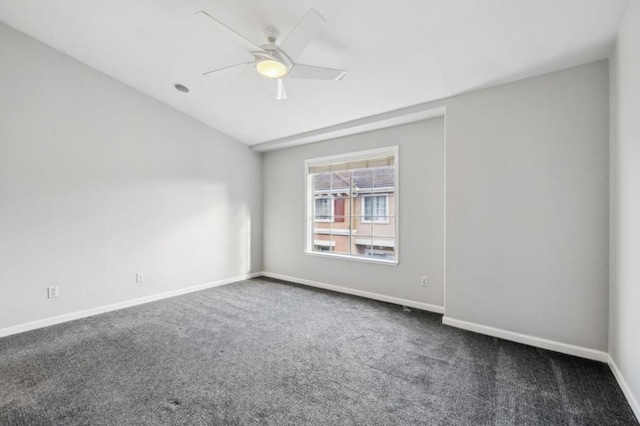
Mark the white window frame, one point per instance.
(386, 209)
(331, 209)
(310, 207)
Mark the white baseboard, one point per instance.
(633, 401)
(20, 328)
(369, 295)
(552, 345)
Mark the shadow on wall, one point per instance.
(213, 237)
(224, 225)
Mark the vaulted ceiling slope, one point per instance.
(396, 53)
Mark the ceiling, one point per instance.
(396, 53)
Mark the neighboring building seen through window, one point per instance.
(352, 208)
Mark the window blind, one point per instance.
(365, 163)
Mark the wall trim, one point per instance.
(538, 342)
(20, 328)
(626, 390)
(366, 294)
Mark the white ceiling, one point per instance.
(396, 53)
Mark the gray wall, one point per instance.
(527, 206)
(421, 237)
(98, 181)
(526, 213)
(624, 337)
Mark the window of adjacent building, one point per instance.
(375, 209)
(323, 210)
(352, 205)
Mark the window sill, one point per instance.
(393, 262)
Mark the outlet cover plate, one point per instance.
(52, 292)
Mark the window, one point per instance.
(323, 210)
(375, 209)
(352, 206)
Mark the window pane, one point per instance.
(361, 245)
(379, 207)
(321, 184)
(380, 253)
(341, 187)
(341, 226)
(383, 242)
(361, 206)
(386, 227)
(367, 210)
(383, 179)
(341, 242)
(362, 181)
(340, 182)
(322, 242)
(341, 211)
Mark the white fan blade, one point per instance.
(227, 67)
(302, 34)
(316, 73)
(282, 94)
(248, 45)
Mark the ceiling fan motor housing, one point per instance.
(273, 53)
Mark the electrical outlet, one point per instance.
(423, 281)
(52, 292)
(140, 277)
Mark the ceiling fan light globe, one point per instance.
(271, 69)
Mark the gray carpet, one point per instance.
(267, 352)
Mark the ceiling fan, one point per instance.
(278, 61)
